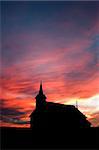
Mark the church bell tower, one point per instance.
(40, 99)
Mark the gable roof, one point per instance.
(51, 107)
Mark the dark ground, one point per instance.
(15, 138)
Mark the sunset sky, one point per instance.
(56, 42)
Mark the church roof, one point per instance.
(51, 107)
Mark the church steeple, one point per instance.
(41, 89)
(40, 98)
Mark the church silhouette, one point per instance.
(56, 116)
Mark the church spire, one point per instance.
(41, 89)
(40, 98)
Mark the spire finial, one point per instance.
(41, 90)
(76, 104)
(41, 82)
